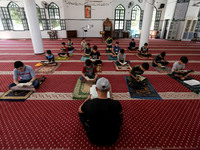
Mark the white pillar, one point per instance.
(31, 14)
(146, 22)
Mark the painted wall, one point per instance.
(73, 12)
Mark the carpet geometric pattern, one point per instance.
(48, 119)
(148, 92)
(166, 69)
(16, 96)
(194, 88)
(81, 90)
(47, 69)
(122, 68)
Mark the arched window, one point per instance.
(153, 19)
(54, 16)
(119, 17)
(14, 11)
(135, 20)
(54, 12)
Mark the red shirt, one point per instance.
(84, 69)
(63, 48)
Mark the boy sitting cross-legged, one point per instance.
(178, 66)
(50, 58)
(121, 59)
(144, 51)
(87, 50)
(63, 50)
(70, 45)
(26, 74)
(160, 61)
(136, 80)
(95, 56)
(115, 50)
(132, 45)
(109, 42)
(89, 72)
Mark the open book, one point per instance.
(162, 67)
(141, 78)
(24, 84)
(94, 93)
(192, 82)
(94, 59)
(123, 63)
(88, 79)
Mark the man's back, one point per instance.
(103, 119)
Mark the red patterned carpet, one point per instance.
(49, 119)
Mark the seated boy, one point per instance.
(63, 50)
(26, 74)
(178, 66)
(109, 42)
(144, 51)
(132, 45)
(160, 60)
(135, 80)
(70, 45)
(121, 59)
(95, 56)
(83, 44)
(115, 50)
(50, 58)
(89, 72)
(87, 50)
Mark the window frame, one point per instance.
(11, 17)
(120, 20)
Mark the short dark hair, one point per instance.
(69, 39)
(63, 43)
(116, 42)
(163, 54)
(145, 66)
(122, 51)
(48, 51)
(18, 64)
(88, 44)
(133, 39)
(83, 38)
(145, 44)
(95, 47)
(184, 59)
(88, 62)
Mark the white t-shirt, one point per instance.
(177, 66)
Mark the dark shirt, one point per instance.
(136, 70)
(109, 40)
(88, 50)
(103, 118)
(95, 55)
(158, 59)
(144, 50)
(116, 49)
(132, 44)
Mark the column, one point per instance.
(31, 14)
(146, 22)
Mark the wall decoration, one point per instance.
(181, 9)
(91, 3)
(87, 11)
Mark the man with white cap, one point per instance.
(101, 117)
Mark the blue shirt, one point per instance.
(28, 73)
(116, 49)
